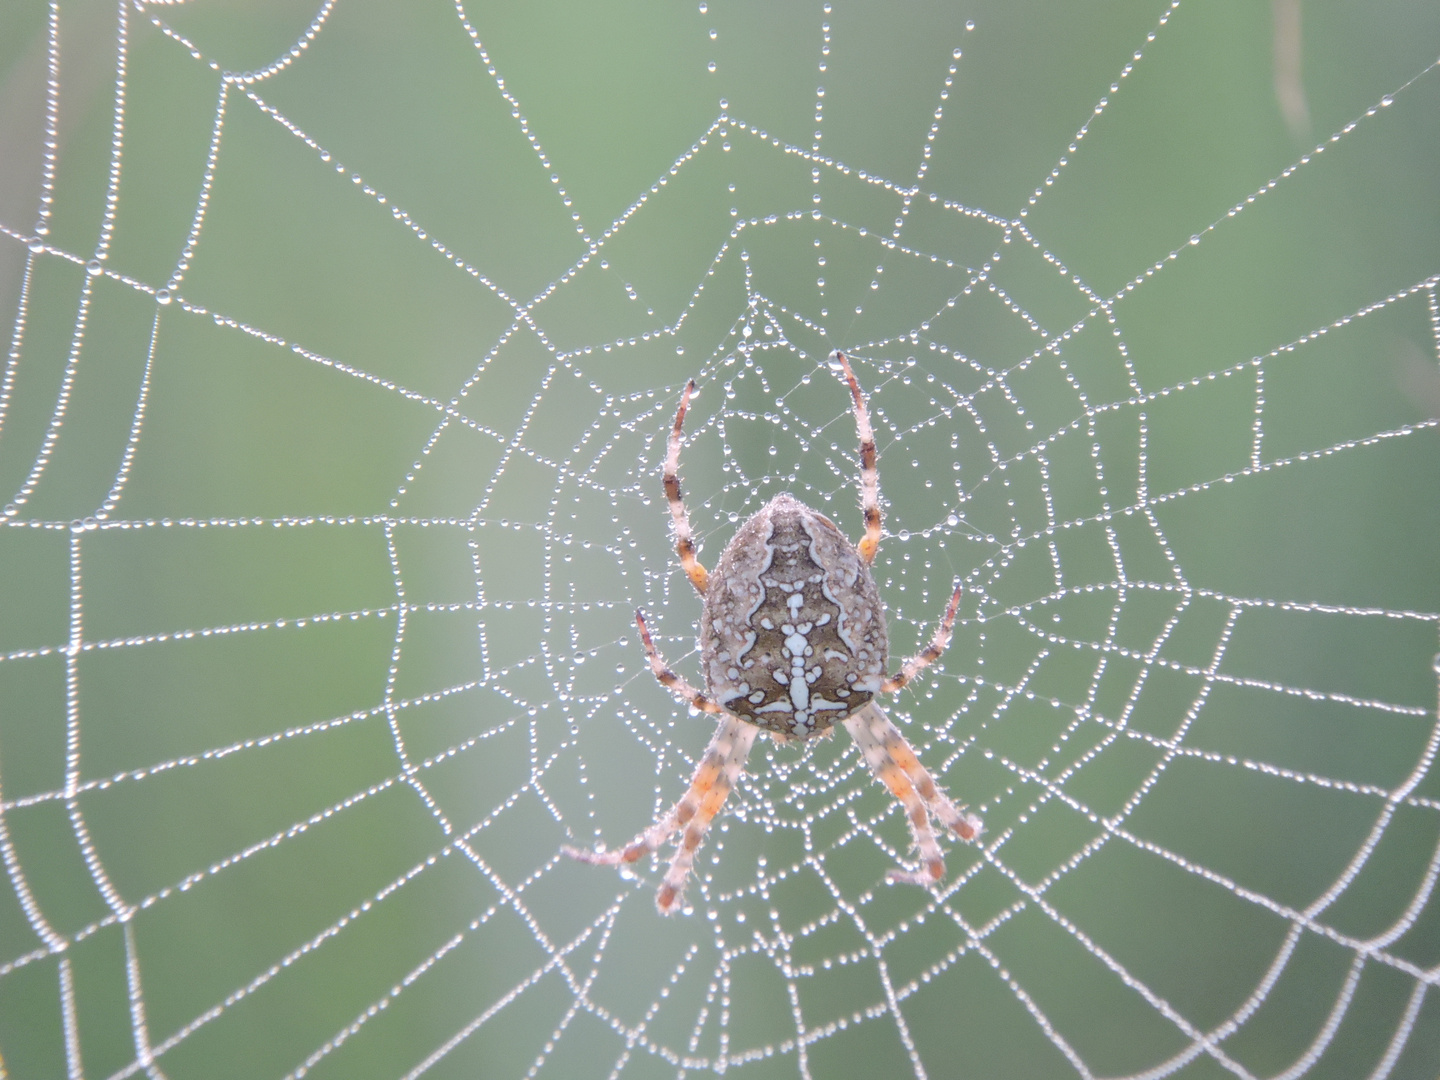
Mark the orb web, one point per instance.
(344, 345)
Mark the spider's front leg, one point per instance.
(720, 767)
(684, 538)
(869, 471)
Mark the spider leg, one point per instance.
(895, 765)
(667, 678)
(719, 770)
(684, 538)
(869, 475)
(928, 655)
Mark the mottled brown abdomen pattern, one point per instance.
(793, 636)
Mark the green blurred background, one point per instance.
(343, 350)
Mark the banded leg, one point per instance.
(684, 538)
(869, 475)
(895, 765)
(719, 770)
(928, 655)
(667, 677)
(964, 825)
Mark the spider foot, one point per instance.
(966, 826)
(929, 874)
(668, 899)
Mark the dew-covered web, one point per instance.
(343, 347)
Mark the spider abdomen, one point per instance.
(793, 636)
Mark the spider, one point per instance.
(792, 641)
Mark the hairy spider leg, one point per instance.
(667, 677)
(894, 764)
(965, 826)
(928, 655)
(717, 774)
(869, 475)
(684, 538)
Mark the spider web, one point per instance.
(343, 347)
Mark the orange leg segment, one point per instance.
(717, 774)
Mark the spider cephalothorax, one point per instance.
(792, 642)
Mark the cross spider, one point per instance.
(792, 641)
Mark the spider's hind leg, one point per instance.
(720, 767)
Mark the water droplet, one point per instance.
(93, 267)
(162, 296)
